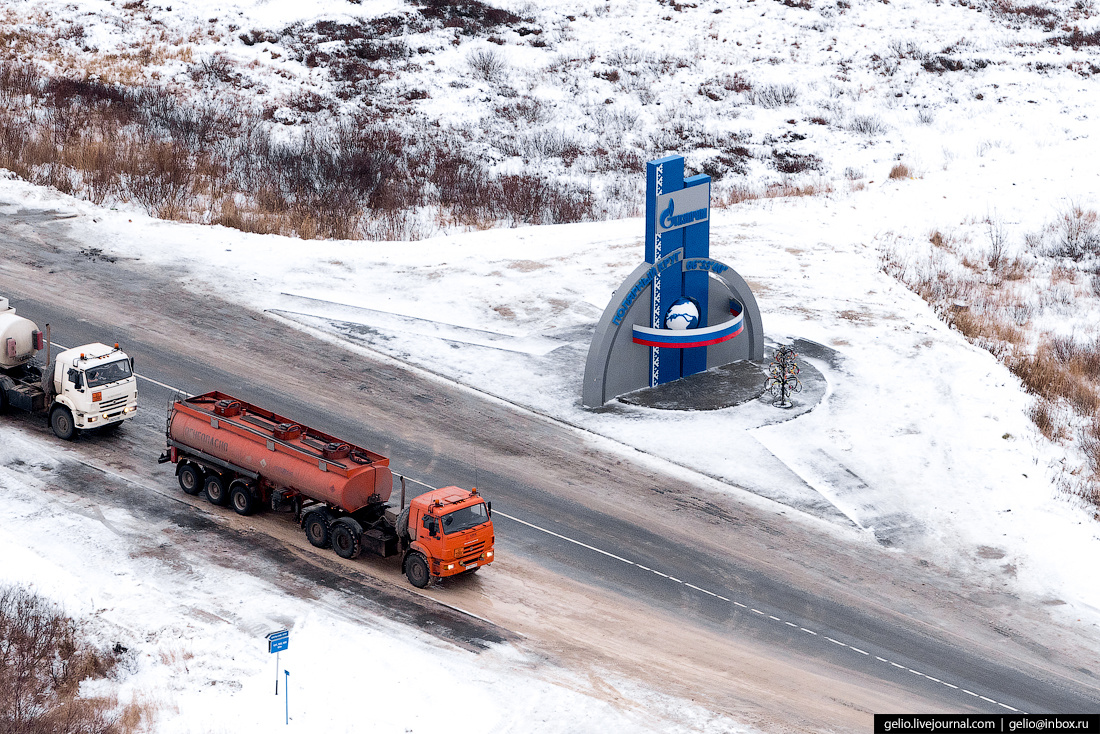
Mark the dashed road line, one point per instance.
(753, 609)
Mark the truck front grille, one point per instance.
(113, 403)
(472, 552)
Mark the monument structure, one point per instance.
(679, 312)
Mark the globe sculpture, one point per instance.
(682, 314)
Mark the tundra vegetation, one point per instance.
(445, 114)
(1031, 300)
(45, 658)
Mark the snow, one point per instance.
(921, 441)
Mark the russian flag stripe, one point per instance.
(688, 338)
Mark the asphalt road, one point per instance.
(562, 502)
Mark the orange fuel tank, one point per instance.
(280, 451)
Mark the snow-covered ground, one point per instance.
(922, 439)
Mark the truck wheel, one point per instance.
(240, 497)
(316, 526)
(345, 540)
(416, 569)
(190, 479)
(215, 490)
(61, 421)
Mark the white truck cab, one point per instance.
(94, 387)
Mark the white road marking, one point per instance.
(575, 542)
(166, 387)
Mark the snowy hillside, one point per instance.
(401, 119)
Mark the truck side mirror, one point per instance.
(75, 378)
(489, 507)
(131, 365)
(432, 526)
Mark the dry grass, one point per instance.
(44, 658)
(213, 164)
(741, 193)
(993, 299)
(900, 171)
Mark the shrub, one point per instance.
(43, 660)
(1078, 233)
(900, 171)
(1076, 38)
(787, 162)
(771, 96)
(487, 65)
(869, 125)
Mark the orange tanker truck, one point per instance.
(250, 458)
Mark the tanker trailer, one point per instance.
(250, 458)
(90, 386)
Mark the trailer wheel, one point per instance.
(61, 421)
(190, 478)
(345, 540)
(416, 569)
(240, 497)
(316, 526)
(215, 490)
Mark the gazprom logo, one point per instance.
(681, 208)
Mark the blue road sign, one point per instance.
(278, 641)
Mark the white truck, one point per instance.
(91, 386)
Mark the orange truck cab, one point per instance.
(450, 531)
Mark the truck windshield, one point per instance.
(465, 518)
(105, 374)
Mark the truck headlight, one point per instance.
(450, 566)
(489, 554)
(92, 419)
(130, 409)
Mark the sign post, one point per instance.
(286, 696)
(276, 643)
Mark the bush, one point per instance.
(900, 171)
(1078, 233)
(869, 125)
(43, 660)
(771, 96)
(487, 65)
